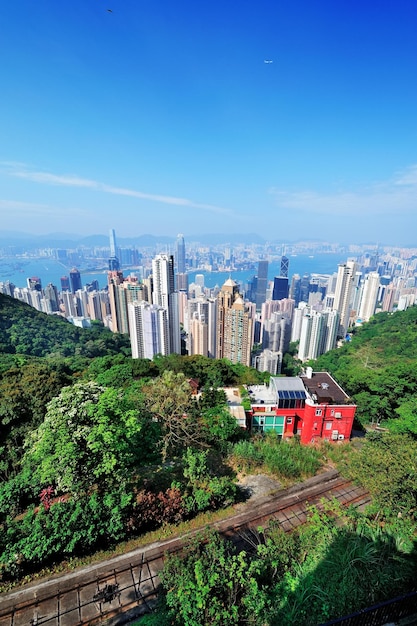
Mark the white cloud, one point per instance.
(53, 179)
(19, 171)
(394, 197)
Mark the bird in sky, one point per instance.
(268, 61)
(109, 10)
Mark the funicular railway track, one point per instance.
(127, 586)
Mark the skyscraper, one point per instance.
(75, 280)
(304, 287)
(112, 240)
(343, 294)
(182, 276)
(51, 294)
(234, 325)
(280, 288)
(295, 288)
(94, 305)
(148, 330)
(163, 279)
(203, 309)
(238, 333)
(123, 291)
(225, 299)
(284, 266)
(34, 283)
(118, 308)
(261, 284)
(70, 304)
(114, 263)
(318, 333)
(180, 257)
(276, 333)
(164, 295)
(198, 335)
(65, 283)
(369, 296)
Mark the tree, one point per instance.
(407, 419)
(90, 436)
(170, 401)
(24, 395)
(220, 425)
(386, 466)
(203, 488)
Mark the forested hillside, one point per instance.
(97, 448)
(86, 433)
(23, 330)
(378, 368)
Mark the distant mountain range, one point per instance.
(67, 240)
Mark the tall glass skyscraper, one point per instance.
(114, 263)
(75, 280)
(180, 256)
(284, 266)
(182, 276)
(261, 284)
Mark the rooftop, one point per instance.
(324, 389)
(289, 388)
(233, 396)
(261, 394)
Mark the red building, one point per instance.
(312, 406)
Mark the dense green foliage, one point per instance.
(87, 433)
(96, 448)
(23, 330)
(320, 571)
(90, 436)
(387, 467)
(339, 562)
(378, 368)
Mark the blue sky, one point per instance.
(162, 117)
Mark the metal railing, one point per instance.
(386, 612)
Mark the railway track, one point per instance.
(127, 586)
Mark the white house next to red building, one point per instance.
(312, 406)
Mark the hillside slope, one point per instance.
(378, 368)
(24, 330)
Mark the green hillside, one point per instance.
(23, 330)
(378, 368)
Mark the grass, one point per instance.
(288, 461)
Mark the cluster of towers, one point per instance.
(254, 325)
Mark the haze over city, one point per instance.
(165, 117)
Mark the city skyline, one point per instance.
(167, 118)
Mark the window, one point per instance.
(329, 425)
(318, 412)
(289, 420)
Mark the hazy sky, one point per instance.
(163, 117)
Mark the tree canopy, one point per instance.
(378, 368)
(90, 435)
